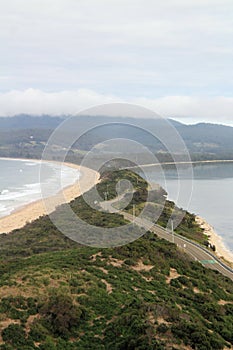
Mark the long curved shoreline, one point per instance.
(87, 180)
(222, 252)
(32, 211)
(181, 163)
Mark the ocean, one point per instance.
(20, 182)
(209, 194)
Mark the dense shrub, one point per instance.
(61, 313)
(15, 335)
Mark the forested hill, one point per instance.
(206, 137)
(24, 121)
(204, 141)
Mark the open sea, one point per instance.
(20, 182)
(209, 194)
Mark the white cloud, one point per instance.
(218, 109)
(173, 56)
(37, 102)
(117, 45)
(185, 108)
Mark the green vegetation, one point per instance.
(204, 141)
(57, 294)
(109, 181)
(154, 198)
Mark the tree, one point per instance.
(61, 313)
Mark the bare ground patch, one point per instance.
(108, 286)
(115, 262)
(142, 267)
(94, 256)
(173, 274)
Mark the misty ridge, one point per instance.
(24, 134)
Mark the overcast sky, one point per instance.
(174, 56)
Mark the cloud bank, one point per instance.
(187, 109)
(122, 47)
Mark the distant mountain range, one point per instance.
(203, 140)
(23, 121)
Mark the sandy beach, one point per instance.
(87, 180)
(221, 250)
(28, 213)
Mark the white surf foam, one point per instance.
(13, 198)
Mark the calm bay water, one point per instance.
(211, 189)
(20, 182)
(211, 194)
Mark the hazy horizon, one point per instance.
(174, 57)
(116, 116)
